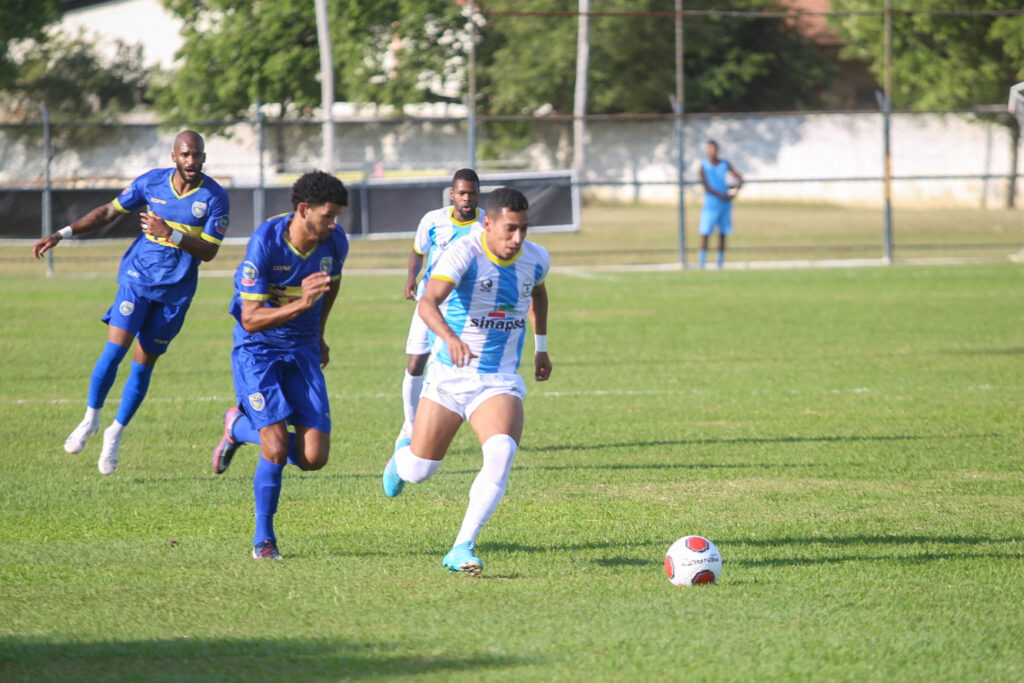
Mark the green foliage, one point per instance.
(19, 20)
(938, 61)
(851, 439)
(75, 82)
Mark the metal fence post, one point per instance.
(678, 108)
(47, 208)
(259, 196)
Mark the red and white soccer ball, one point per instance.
(693, 560)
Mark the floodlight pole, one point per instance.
(886, 115)
(326, 85)
(678, 108)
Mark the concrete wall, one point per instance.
(635, 158)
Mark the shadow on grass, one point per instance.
(31, 659)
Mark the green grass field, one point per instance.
(852, 439)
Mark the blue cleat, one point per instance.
(461, 559)
(393, 484)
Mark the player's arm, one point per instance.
(708, 189)
(736, 174)
(97, 218)
(329, 297)
(200, 248)
(256, 317)
(539, 321)
(415, 263)
(429, 309)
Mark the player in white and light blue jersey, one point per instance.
(438, 229)
(477, 302)
(185, 218)
(715, 176)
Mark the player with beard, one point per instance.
(184, 222)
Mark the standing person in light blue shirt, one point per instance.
(721, 182)
(184, 223)
(477, 301)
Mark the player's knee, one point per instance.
(412, 468)
(417, 364)
(499, 453)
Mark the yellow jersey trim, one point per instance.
(246, 296)
(170, 181)
(118, 207)
(496, 259)
(443, 277)
(462, 224)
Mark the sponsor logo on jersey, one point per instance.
(198, 209)
(527, 288)
(257, 401)
(498, 320)
(157, 200)
(249, 273)
(486, 285)
(126, 308)
(126, 190)
(327, 264)
(222, 225)
(282, 267)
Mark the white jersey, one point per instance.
(438, 229)
(488, 306)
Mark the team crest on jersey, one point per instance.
(198, 209)
(486, 285)
(326, 264)
(222, 225)
(527, 288)
(257, 401)
(126, 308)
(249, 273)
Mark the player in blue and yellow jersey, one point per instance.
(284, 291)
(479, 296)
(438, 229)
(184, 223)
(715, 176)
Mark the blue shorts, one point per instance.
(710, 216)
(154, 323)
(281, 384)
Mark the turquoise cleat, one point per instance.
(461, 559)
(393, 484)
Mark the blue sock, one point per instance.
(266, 489)
(244, 432)
(703, 257)
(104, 372)
(134, 391)
(721, 258)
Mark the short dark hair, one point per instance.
(505, 198)
(317, 188)
(467, 174)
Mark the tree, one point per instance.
(942, 61)
(20, 20)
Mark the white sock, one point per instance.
(92, 416)
(412, 385)
(113, 431)
(412, 468)
(489, 486)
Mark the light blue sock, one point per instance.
(266, 489)
(134, 391)
(703, 257)
(104, 373)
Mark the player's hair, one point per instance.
(316, 188)
(467, 174)
(505, 198)
(711, 142)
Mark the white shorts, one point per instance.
(417, 344)
(462, 391)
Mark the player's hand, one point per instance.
(541, 366)
(410, 290)
(315, 286)
(325, 353)
(460, 353)
(45, 244)
(154, 225)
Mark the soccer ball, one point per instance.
(693, 560)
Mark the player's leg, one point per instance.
(306, 391)
(498, 423)
(238, 427)
(707, 225)
(432, 433)
(275, 443)
(417, 346)
(724, 230)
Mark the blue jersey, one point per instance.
(436, 231)
(153, 267)
(715, 175)
(489, 304)
(272, 273)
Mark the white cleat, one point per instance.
(77, 438)
(111, 451)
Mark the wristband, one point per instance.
(175, 237)
(540, 343)
(65, 232)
